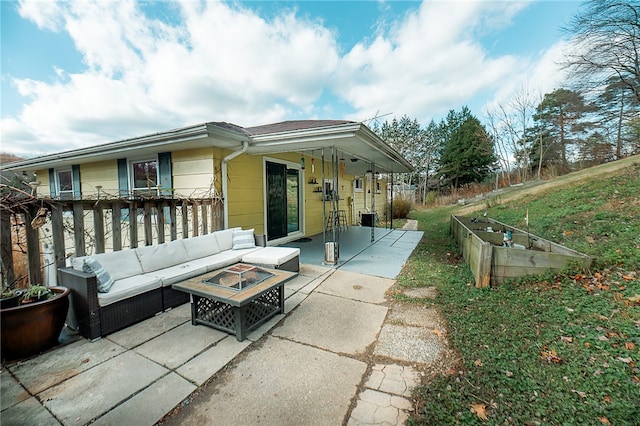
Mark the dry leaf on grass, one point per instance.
(604, 420)
(550, 356)
(480, 410)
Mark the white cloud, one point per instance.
(215, 61)
(219, 62)
(429, 63)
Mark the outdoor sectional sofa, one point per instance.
(142, 277)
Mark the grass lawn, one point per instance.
(556, 349)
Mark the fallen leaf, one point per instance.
(437, 332)
(628, 278)
(591, 240)
(607, 399)
(630, 346)
(634, 299)
(626, 360)
(480, 410)
(550, 356)
(582, 394)
(477, 363)
(567, 339)
(603, 338)
(508, 373)
(604, 420)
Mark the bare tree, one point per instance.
(606, 45)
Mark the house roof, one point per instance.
(353, 143)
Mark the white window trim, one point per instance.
(355, 184)
(131, 177)
(59, 190)
(301, 225)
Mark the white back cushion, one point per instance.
(120, 264)
(202, 246)
(161, 256)
(225, 238)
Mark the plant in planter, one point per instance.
(34, 324)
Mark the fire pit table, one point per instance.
(236, 299)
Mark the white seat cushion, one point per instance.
(128, 287)
(177, 273)
(272, 256)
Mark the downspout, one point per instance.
(225, 201)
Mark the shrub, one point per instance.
(401, 207)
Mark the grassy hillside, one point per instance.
(557, 349)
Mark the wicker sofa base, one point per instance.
(92, 320)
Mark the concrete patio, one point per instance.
(316, 364)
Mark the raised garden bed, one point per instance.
(481, 242)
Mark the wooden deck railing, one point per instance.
(84, 227)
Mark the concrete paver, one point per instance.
(150, 405)
(395, 379)
(377, 408)
(208, 363)
(150, 328)
(334, 323)
(191, 341)
(352, 285)
(11, 392)
(410, 344)
(84, 397)
(51, 368)
(282, 383)
(28, 412)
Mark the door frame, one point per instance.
(301, 197)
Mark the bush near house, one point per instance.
(401, 207)
(556, 349)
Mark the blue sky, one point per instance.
(77, 74)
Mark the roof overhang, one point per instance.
(352, 143)
(355, 144)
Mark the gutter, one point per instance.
(225, 160)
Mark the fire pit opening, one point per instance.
(239, 277)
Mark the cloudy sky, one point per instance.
(81, 73)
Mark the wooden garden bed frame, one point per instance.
(492, 263)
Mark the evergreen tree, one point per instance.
(467, 154)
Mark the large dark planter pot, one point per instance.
(32, 328)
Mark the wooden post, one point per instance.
(33, 248)
(57, 232)
(78, 229)
(133, 224)
(196, 224)
(116, 225)
(185, 219)
(98, 226)
(173, 217)
(160, 221)
(148, 236)
(484, 266)
(6, 248)
(203, 209)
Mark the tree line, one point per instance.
(594, 118)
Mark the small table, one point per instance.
(235, 308)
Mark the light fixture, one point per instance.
(302, 162)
